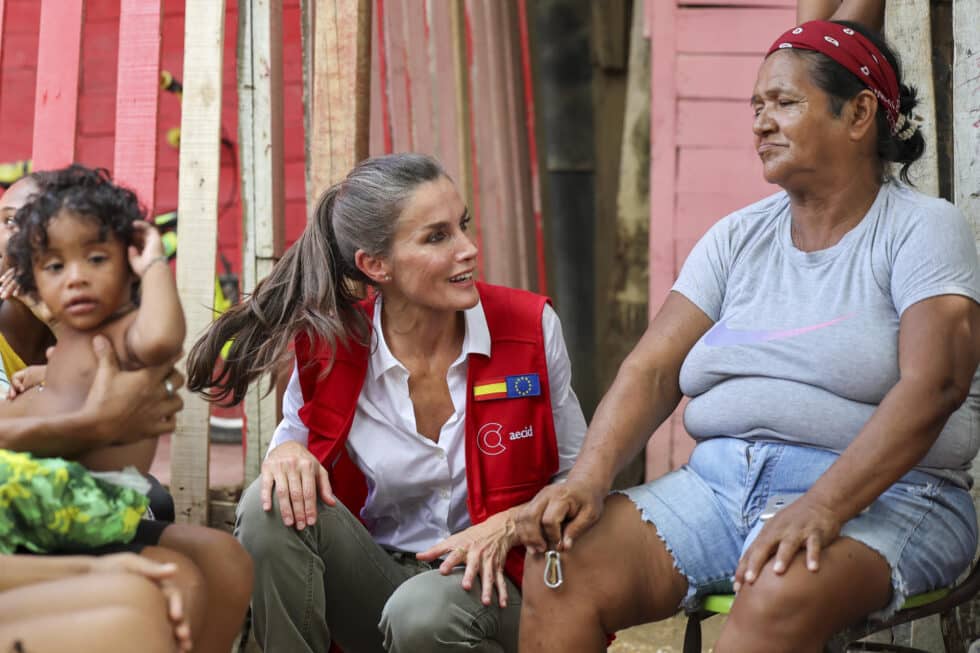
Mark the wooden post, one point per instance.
(340, 98)
(261, 136)
(462, 56)
(966, 112)
(907, 26)
(661, 15)
(622, 312)
(56, 102)
(197, 205)
(137, 92)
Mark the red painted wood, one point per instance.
(3, 27)
(471, 127)
(384, 91)
(419, 80)
(444, 109)
(730, 31)
(532, 149)
(791, 4)
(376, 126)
(56, 99)
(137, 93)
(399, 80)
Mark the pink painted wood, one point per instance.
(56, 99)
(137, 94)
(448, 131)
(703, 163)
(399, 79)
(662, 17)
(415, 28)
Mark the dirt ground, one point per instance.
(664, 636)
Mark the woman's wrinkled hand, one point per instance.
(159, 573)
(559, 514)
(483, 549)
(803, 524)
(298, 479)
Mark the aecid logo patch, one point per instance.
(490, 439)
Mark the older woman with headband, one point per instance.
(828, 337)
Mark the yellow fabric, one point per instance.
(12, 363)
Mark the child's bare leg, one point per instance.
(227, 572)
(87, 613)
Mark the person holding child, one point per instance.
(83, 249)
(415, 423)
(828, 337)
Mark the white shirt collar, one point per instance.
(475, 341)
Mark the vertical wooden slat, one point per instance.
(532, 149)
(966, 111)
(197, 204)
(907, 25)
(263, 197)
(137, 92)
(3, 25)
(468, 181)
(420, 90)
(56, 102)
(338, 136)
(443, 56)
(400, 102)
(663, 176)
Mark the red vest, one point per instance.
(511, 450)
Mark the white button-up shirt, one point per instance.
(417, 487)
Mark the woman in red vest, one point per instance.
(415, 422)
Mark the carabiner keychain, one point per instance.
(553, 577)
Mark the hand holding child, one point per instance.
(10, 289)
(25, 379)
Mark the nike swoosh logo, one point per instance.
(720, 335)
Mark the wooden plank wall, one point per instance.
(56, 99)
(197, 205)
(450, 78)
(260, 85)
(704, 59)
(137, 92)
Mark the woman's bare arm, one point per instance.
(866, 12)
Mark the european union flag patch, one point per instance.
(508, 387)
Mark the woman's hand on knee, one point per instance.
(804, 524)
(559, 514)
(298, 479)
(483, 548)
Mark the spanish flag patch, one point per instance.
(508, 387)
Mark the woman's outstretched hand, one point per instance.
(559, 514)
(298, 479)
(803, 524)
(483, 549)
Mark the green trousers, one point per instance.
(332, 582)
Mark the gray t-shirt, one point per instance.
(805, 345)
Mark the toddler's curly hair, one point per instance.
(85, 192)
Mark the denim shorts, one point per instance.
(707, 513)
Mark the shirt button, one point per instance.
(444, 494)
(441, 454)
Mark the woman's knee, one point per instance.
(430, 608)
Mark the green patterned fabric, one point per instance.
(55, 505)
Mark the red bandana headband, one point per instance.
(852, 50)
